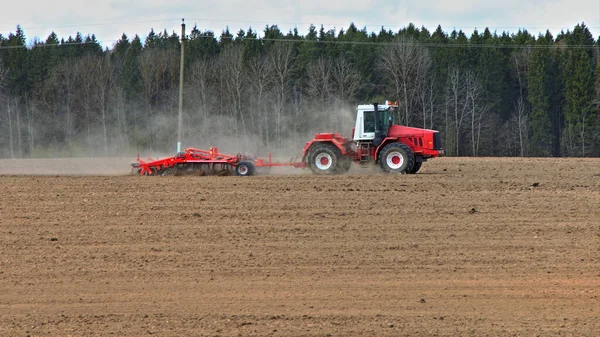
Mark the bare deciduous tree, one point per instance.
(17, 102)
(520, 126)
(202, 96)
(259, 71)
(4, 100)
(122, 127)
(406, 65)
(281, 57)
(30, 109)
(568, 138)
(457, 103)
(347, 79)
(427, 98)
(63, 83)
(10, 128)
(87, 86)
(319, 89)
(157, 68)
(583, 121)
(520, 61)
(233, 77)
(474, 93)
(3, 77)
(100, 82)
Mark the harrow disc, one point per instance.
(198, 169)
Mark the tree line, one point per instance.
(489, 94)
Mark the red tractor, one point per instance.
(396, 148)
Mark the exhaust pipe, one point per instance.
(378, 134)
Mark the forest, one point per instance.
(489, 94)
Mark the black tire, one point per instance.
(323, 158)
(416, 167)
(396, 158)
(245, 169)
(344, 165)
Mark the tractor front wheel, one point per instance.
(396, 158)
(416, 167)
(323, 158)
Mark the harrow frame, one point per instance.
(193, 158)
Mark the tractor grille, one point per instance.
(437, 141)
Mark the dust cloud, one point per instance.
(92, 154)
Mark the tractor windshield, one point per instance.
(386, 120)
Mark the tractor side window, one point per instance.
(369, 119)
(386, 122)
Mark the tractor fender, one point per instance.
(337, 142)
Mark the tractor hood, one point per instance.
(407, 131)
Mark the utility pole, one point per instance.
(180, 115)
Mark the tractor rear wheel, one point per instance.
(416, 167)
(396, 158)
(244, 169)
(323, 158)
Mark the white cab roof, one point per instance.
(369, 107)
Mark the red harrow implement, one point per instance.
(201, 162)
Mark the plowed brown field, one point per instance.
(467, 247)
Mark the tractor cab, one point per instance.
(373, 121)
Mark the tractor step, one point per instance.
(364, 151)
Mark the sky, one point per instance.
(109, 19)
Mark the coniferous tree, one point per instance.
(540, 81)
(226, 38)
(121, 46)
(201, 45)
(579, 90)
(18, 80)
(130, 79)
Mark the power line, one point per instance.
(46, 45)
(365, 43)
(378, 25)
(454, 27)
(419, 44)
(96, 24)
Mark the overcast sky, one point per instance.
(109, 19)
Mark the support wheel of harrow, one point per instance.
(245, 168)
(324, 158)
(396, 158)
